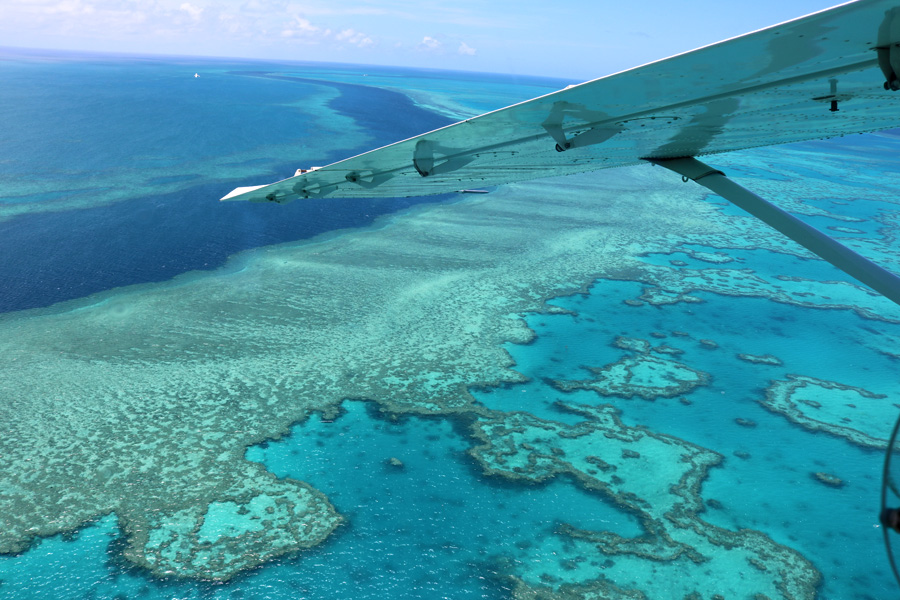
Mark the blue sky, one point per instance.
(580, 39)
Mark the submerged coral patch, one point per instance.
(269, 518)
(763, 359)
(641, 374)
(828, 479)
(842, 229)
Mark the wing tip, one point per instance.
(233, 194)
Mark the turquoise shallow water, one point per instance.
(429, 527)
(121, 190)
(771, 490)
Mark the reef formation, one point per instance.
(142, 401)
(657, 478)
(853, 413)
(640, 374)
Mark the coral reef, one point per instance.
(655, 477)
(828, 479)
(764, 359)
(141, 401)
(641, 374)
(853, 413)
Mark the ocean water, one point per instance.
(569, 388)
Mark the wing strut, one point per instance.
(823, 246)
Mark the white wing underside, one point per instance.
(773, 86)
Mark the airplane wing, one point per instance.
(824, 75)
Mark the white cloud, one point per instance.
(251, 27)
(304, 25)
(193, 11)
(230, 23)
(302, 29)
(437, 46)
(332, 11)
(351, 36)
(305, 31)
(69, 7)
(465, 49)
(430, 43)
